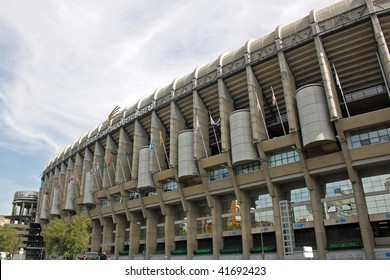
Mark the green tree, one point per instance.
(9, 239)
(66, 239)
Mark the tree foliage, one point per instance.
(66, 239)
(9, 239)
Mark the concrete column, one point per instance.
(289, 89)
(87, 166)
(125, 153)
(78, 170)
(176, 124)
(326, 72)
(96, 237)
(140, 139)
(157, 157)
(169, 230)
(120, 234)
(151, 233)
(98, 163)
(192, 213)
(247, 240)
(255, 94)
(216, 213)
(134, 234)
(109, 163)
(108, 228)
(383, 50)
(318, 216)
(201, 135)
(358, 192)
(277, 195)
(226, 107)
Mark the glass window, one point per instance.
(298, 195)
(338, 188)
(133, 195)
(263, 218)
(219, 173)
(248, 167)
(261, 201)
(104, 203)
(169, 186)
(118, 199)
(371, 136)
(377, 203)
(282, 158)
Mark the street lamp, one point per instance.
(261, 232)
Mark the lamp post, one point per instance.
(262, 245)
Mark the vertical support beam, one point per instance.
(226, 107)
(96, 236)
(201, 137)
(176, 125)
(169, 230)
(247, 240)
(120, 234)
(326, 72)
(191, 229)
(151, 233)
(87, 166)
(383, 50)
(140, 140)
(360, 200)
(255, 94)
(125, 154)
(107, 238)
(276, 198)
(216, 213)
(109, 162)
(135, 234)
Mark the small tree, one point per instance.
(66, 239)
(9, 239)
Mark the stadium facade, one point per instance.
(278, 150)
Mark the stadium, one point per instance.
(277, 150)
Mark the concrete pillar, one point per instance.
(125, 154)
(109, 162)
(96, 237)
(201, 128)
(135, 218)
(383, 50)
(158, 133)
(108, 228)
(247, 240)
(151, 233)
(140, 139)
(318, 216)
(176, 124)
(169, 230)
(226, 107)
(120, 234)
(255, 95)
(277, 196)
(216, 213)
(326, 72)
(98, 163)
(87, 166)
(358, 192)
(192, 213)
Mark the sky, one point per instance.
(65, 64)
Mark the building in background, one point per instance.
(23, 220)
(275, 148)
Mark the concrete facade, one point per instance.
(174, 177)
